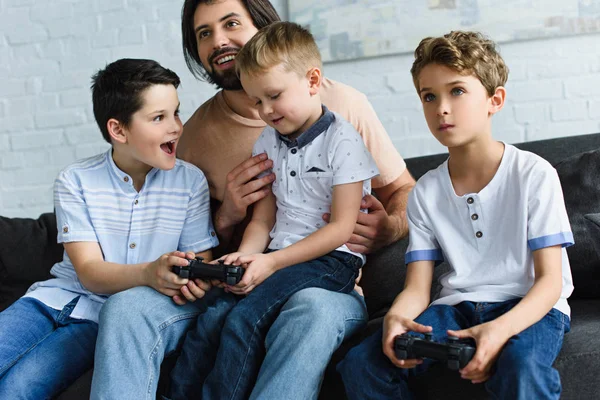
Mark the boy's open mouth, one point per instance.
(168, 147)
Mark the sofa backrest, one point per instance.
(28, 250)
(577, 160)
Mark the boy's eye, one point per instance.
(274, 97)
(158, 118)
(428, 97)
(457, 91)
(258, 102)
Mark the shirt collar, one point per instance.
(311, 133)
(122, 177)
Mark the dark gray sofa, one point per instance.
(28, 249)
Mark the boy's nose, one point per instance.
(443, 108)
(177, 126)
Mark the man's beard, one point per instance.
(228, 79)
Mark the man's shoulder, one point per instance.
(340, 97)
(207, 110)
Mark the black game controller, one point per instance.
(455, 352)
(229, 274)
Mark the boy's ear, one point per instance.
(314, 80)
(497, 100)
(116, 131)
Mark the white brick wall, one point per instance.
(50, 49)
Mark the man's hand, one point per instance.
(490, 339)
(258, 268)
(243, 190)
(160, 276)
(394, 325)
(373, 230)
(192, 290)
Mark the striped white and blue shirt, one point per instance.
(96, 202)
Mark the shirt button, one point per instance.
(126, 179)
(136, 201)
(479, 234)
(293, 173)
(294, 151)
(212, 233)
(474, 217)
(132, 246)
(65, 229)
(470, 200)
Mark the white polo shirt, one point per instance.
(329, 153)
(488, 237)
(96, 202)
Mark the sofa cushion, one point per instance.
(580, 179)
(28, 249)
(593, 224)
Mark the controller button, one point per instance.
(453, 364)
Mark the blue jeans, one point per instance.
(522, 371)
(42, 350)
(233, 338)
(139, 326)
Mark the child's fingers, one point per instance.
(464, 333)
(416, 327)
(179, 300)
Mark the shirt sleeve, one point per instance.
(351, 161)
(72, 214)
(198, 233)
(262, 145)
(422, 245)
(547, 220)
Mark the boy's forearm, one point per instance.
(410, 303)
(256, 238)
(315, 245)
(108, 278)
(540, 299)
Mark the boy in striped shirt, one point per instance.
(125, 218)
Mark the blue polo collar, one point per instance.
(311, 133)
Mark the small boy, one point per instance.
(496, 214)
(121, 215)
(321, 164)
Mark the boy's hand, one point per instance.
(230, 258)
(258, 268)
(160, 276)
(394, 325)
(193, 290)
(490, 340)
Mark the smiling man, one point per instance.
(218, 138)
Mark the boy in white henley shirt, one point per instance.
(496, 214)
